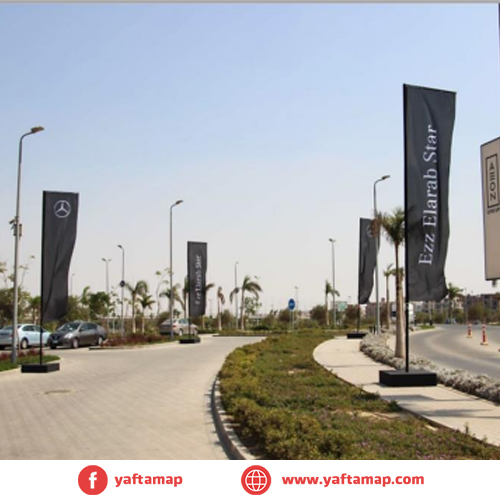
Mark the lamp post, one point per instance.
(377, 237)
(236, 293)
(17, 228)
(122, 286)
(107, 261)
(332, 241)
(171, 300)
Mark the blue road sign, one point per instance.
(291, 304)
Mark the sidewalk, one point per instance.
(439, 404)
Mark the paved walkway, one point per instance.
(135, 404)
(440, 404)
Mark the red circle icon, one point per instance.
(256, 480)
(93, 480)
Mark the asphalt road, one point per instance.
(448, 346)
(133, 404)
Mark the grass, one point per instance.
(31, 356)
(287, 406)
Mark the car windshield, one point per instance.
(7, 329)
(69, 327)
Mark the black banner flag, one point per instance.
(197, 271)
(429, 119)
(60, 214)
(367, 260)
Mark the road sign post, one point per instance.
(291, 307)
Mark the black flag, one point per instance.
(429, 119)
(367, 260)
(197, 271)
(60, 214)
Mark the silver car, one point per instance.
(181, 326)
(28, 336)
(76, 334)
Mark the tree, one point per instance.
(207, 287)
(84, 301)
(161, 281)
(98, 305)
(34, 305)
(221, 300)
(248, 286)
(328, 291)
(319, 313)
(388, 272)
(140, 288)
(176, 296)
(394, 228)
(453, 293)
(146, 301)
(234, 295)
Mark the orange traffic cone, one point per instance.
(485, 339)
(469, 332)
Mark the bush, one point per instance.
(288, 407)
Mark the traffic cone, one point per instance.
(485, 340)
(469, 332)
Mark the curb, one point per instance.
(231, 443)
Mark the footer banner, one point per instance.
(243, 479)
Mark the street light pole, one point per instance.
(377, 237)
(332, 241)
(236, 293)
(107, 261)
(171, 300)
(17, 228)
(122, 285)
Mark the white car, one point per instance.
(181, 326)
(28, 336)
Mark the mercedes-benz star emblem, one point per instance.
(62, 209)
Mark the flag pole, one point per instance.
(406, 275)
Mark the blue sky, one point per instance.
(271, 122)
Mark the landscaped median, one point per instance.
(287, 406)
(31, 356)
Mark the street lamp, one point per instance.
(377, 236)
(122, 285)
(17, 228)
(332, 241)
(236, 294)
(171, 300)
(107, 261)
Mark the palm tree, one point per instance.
(389, 271)
(221, 300)
(394, 228)
(175, 293)
(234, 295)
(206, 288)
(34, 304)
(453, 293)
(146, 301)
(248, 286)
(140, 288)
(328, 291)
(161, 281)
(85, 300)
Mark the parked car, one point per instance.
(76, 334)
(181, 326)
(28, 336)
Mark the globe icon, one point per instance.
(256, 481)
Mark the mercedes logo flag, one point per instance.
(60, 214)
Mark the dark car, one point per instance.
(76, 334)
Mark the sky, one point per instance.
(270, 121)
